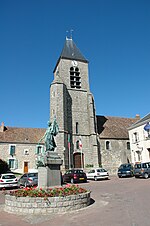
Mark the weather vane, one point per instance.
(70, 32)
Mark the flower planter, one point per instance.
(42, 205)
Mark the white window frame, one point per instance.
(15, 164)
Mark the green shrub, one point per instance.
(3, 166)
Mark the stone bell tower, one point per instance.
(73, 105)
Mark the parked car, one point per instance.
(28, 180)
(8, 180)
(74, 176)
(98, 173)
(126, 170)
(142, 170)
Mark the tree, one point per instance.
(3, 166)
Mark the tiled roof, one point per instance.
(114, 127)
(21, 135)
(108, 128)
(140, 122)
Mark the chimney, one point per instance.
(137, 116)
(2, 127)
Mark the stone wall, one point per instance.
(117, 154)
(37, 205)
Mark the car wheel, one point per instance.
(145, 175)
(95, 178)
(72, 181)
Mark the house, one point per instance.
(18, 146)
(139, 135)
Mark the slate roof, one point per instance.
(70, 51)
(21, 135)
(114, 127)
(140, 122)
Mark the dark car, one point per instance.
(28, 180)
(142, 170)
(126, 170)
(75, 176)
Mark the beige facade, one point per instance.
(18, 147)
(139, 136)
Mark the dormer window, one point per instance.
(75, 79)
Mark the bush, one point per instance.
(3, 166)
(50, 192)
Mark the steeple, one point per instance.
(71, 52)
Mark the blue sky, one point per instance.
(114, 35)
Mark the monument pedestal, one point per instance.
(50, 175)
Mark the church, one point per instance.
(85, 139)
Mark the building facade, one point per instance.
(19, 147)
(139, 135)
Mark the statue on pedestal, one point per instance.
(51, 131)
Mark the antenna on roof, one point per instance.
(70, 31)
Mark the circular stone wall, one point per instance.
(36, 205)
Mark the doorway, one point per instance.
(78, 161)
(25, 167)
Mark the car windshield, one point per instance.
(138, 166)
(8, 176)
(78, 171)
(101, 170)
(32, 175)
(125, 166)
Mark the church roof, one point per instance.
(114, 127)
(71, 51)
(108, 128)
(21, 135)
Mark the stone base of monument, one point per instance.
(50, 175)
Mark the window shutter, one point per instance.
(16, 164)
(36, 150)
(42, 149)
(12, 150)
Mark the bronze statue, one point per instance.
(48, 137)
(50, 144)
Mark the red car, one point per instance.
(75, 176)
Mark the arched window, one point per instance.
(77, 144)
(128, 145)
(107, 145)
(75, 79)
